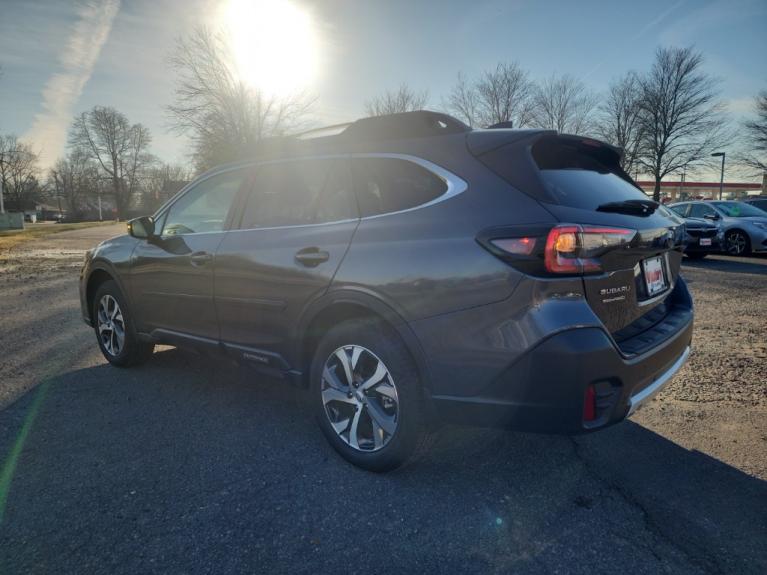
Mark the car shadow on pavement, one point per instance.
(189, 464)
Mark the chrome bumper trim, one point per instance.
(635, 401)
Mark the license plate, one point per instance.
(705, 241)
(653, 275)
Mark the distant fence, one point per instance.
(12, 221)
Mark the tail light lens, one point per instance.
(565, 249)
(576, 249)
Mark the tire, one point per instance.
(396, 400)
(122, 351)
(738, 243)
(696, 255)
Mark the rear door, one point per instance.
(296, 226)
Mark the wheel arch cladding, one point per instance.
(340, 311)
(98, 277)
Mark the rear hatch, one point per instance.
(627, 248)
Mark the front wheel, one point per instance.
(115, 330)
(738, 244)
(367, 395)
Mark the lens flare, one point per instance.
(274, 44)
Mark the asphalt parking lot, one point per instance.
(189, 465)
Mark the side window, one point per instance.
(700, 210)
(680, 210)
(204, 207)
(385, 185)
(300, 192)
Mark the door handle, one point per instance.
(200, 258)
(312, 257)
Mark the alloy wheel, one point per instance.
(360, 398)
(111, 325)
(736, 243)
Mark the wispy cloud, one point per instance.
(62, 90)
(648, 27)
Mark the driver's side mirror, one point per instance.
(142, 228)
(712, 217)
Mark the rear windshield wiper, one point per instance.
(632, 207)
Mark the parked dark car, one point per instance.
(744, 226)
(410, 270)
(702, 237)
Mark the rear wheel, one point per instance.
(367, 397)
(738, 243)
(115, 328)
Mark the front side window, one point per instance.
(701, 211)
(300, 192)
(385, 185)
(680, 210)
(204, 207)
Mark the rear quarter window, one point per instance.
(386, 185)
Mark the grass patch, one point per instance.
(11, 238)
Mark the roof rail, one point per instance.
(501, 125)
(417, 124)
(323, 132)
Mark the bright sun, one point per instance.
(274, 44)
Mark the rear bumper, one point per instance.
(542, 389)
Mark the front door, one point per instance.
(172, 274)
(296, 226)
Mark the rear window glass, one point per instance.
(580, 174)
(386, 185)
(573, 172)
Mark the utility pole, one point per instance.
(721, 177)
(2, 205)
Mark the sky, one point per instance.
(59, 58)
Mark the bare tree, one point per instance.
(225, 117)
(504, 95)
(75, 181)
(499, 95)
(403, 99)
(621, 122)
(162, 181)
(756, 135)
(18, 173)
(463, 101)
(119, 148)
(564, 104)
(681, 117)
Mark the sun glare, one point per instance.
(274, 44)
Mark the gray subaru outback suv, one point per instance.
(409, 270)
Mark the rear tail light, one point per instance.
(576, 249)
(565, 249)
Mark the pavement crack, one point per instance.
(701, 559)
